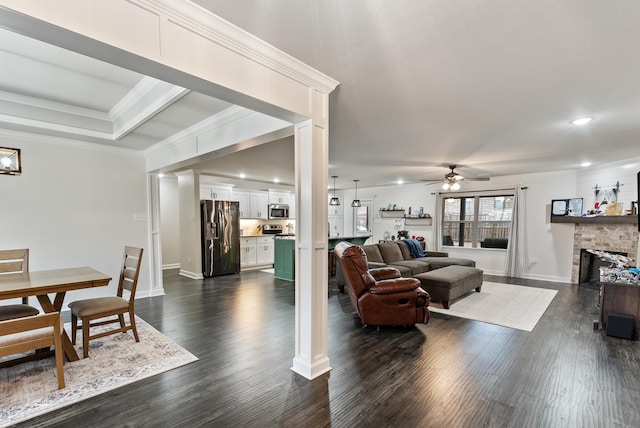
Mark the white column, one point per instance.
(155, 243)
(311, 161)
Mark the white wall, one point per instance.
(605, 177)
(549, 247)
(75, 207)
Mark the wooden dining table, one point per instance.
(56, 282)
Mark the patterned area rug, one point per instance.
(514, 306)
(30, 389)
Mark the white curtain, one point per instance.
(517, 240)
(437, 225)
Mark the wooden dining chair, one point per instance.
(32, 333)
(15, 261)
(88, 310)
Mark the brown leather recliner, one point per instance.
(381, 296)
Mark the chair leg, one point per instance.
(74, 327)
(59, 363)
(85, 337)
(25, 300)
(132, 320)
(122, 324)
(59, 353)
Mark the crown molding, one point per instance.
(67, 142)
(148, 98)
(202, 21)
(52, 105)
(219, 120)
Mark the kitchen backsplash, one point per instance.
(251, 227)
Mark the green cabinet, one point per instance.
(284, 263)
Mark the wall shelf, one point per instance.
(602, 219)
(391, 213)
(418, 221)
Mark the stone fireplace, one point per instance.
(611, 237)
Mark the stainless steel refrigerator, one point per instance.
(220, 222)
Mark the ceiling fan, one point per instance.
(452, 179)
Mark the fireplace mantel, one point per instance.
(602, 219)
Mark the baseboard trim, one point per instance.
(191, 275)
(171, 266)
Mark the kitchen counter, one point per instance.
(356, 240)
(284, 262)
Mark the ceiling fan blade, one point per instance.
(477, 179)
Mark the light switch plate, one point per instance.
(140, 217)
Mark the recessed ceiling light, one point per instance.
(243, 175)
(585, 164)
(581, 121)
(401, 181)
(276, 180)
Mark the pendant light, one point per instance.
(356, 201)
(334, 200)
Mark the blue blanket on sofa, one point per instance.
(415, 248)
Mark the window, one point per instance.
(476, 221)
(362, 219)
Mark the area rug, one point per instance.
(30, 389)
(514, 306)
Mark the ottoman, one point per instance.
(450, 282)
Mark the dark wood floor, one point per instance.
(450, 373)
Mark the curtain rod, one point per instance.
(479, 191)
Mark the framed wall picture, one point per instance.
(559, 207)
(575, 207)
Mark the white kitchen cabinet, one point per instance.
(256, 251)
(248, 253)
(292, 206)
(336, 225)
(264, 250)
(253, 204)
(216, 193)
(336, 209)
(259, 203)
(244, 202)
(278, 197)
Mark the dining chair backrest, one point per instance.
(14, 261)
(130, 271)
(31, 333)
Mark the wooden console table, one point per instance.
(619, 298)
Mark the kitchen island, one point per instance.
(284, 262)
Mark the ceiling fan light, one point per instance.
(455, 186)
(445, 186)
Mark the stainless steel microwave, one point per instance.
(278, 212)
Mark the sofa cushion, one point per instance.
(416, 266)
(405, 271)
(406, 254)
(440, 262)
(390, 252)
(373, 253)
